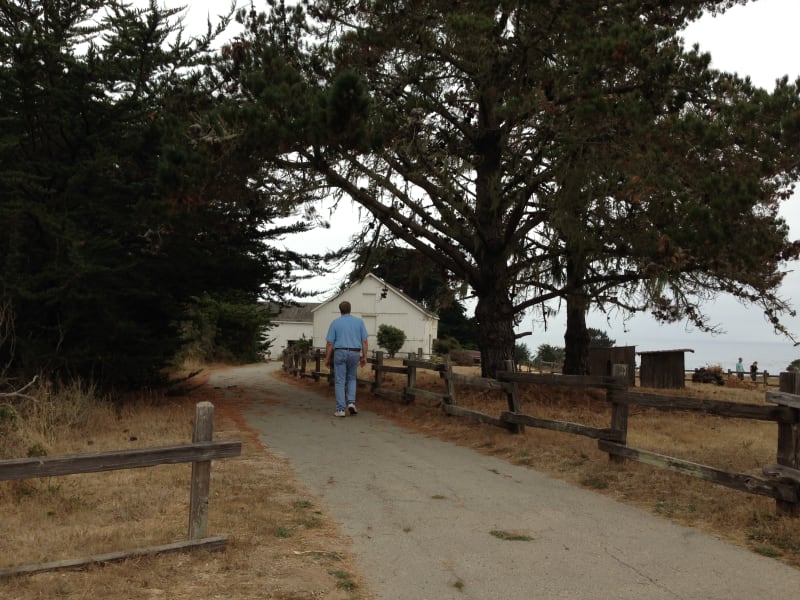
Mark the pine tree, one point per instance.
(117, 217)
(534, 151)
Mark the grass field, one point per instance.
(282, 544)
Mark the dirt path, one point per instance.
(428, 519)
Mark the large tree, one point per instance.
(118, 210)
(460, 128)
(408, 270)
(673, 191)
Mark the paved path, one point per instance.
(420, 513)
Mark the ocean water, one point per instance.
(772, 357)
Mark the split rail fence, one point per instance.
(200, 453)
(780, 480)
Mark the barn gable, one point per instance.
(380, 303)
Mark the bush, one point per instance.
(223, 329)
(446, 345)
(522, 354)
(391, 339)
(464, 358)
(303, 345)
(550, 354)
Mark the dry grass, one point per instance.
(737, 445)
(282, 545)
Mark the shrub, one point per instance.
(446, 345)
(463, 358)
(391, 339)
(303, 345)
(522, 354)
(226, 329)
(548, 353)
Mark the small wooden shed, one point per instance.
(602, 361)
(663, 368)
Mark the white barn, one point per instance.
(379, 303)
(375, 301)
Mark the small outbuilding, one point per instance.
(602, 361)
(663, 368)
(290, 325)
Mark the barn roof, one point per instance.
(406, 298)
(299, 313)
(666, 351)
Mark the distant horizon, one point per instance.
(772, 357)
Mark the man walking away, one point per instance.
(345, 350)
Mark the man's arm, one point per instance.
(363, 352)
(328, 354)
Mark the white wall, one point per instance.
(282, 333)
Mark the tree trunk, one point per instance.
(576, 337)
(495, 316)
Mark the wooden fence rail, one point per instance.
(780, 481)
(200, 453)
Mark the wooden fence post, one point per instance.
(317, 364)
(619, 419)
(448, 381)
(789, 440)
(201, 473)
(411, 382)
(513, 405)
(378, 370)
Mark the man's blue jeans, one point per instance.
(345, 365)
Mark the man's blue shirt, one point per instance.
(347, 332)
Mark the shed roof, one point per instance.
(666, 351)
(300, 313)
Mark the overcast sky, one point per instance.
(759, 40)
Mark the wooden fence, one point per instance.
(780, 481)
(200, 453)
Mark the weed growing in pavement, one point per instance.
(510, 536)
